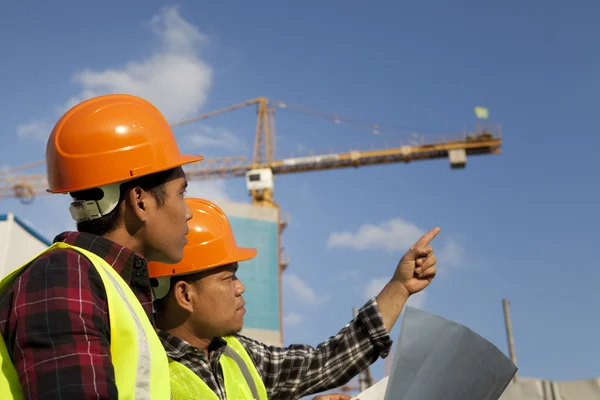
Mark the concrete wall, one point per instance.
(19, 243)
(539, 389)
(258, 227)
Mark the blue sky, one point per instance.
(518, 225)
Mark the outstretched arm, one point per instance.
(59, 334)
(301, 370)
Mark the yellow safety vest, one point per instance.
(138, 357)
(242, 381)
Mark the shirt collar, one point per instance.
(119, 257)
(177, 348)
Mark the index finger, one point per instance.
(428, 237)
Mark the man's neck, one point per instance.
(122, 237)
(185, 334)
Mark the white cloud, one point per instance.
(302, 290)
(397, 236)
(376, 285)
(207, 136)
(209, 190)
(293, 319)
(174, 77)
(38, 131)
(391, 236)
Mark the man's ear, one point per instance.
(138, 201)
(183, 296)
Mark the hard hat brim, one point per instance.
(240, 254)
(243, 254)
(182, 160)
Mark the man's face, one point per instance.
(166, 226)
(218, 305)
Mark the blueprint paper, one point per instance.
(375, 392)
(440, 359)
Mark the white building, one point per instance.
(19, 243)
(541, 389)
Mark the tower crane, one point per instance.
(260, 171)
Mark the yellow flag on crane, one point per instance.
(481, 112)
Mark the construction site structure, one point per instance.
(509, 335)
(261, 223)
(525, 388)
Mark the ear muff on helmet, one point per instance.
(160, 287)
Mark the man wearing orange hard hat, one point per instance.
(200, 310)
(76, 321)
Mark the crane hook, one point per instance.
(24, 193)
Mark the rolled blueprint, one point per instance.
(441, 359)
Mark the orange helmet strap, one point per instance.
(87, 210)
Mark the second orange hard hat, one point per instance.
(110, 139)
(211, 243)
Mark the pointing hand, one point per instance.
(417, 268)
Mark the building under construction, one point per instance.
(258, 227)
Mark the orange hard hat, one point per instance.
(210, 243)
(110, 139)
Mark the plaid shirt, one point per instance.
(298, 370)
(54, 319)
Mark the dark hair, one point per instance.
(153, 183)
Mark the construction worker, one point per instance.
(200, 310)
(76, 319)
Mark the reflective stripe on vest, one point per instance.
(241, 379)
(139, 360)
